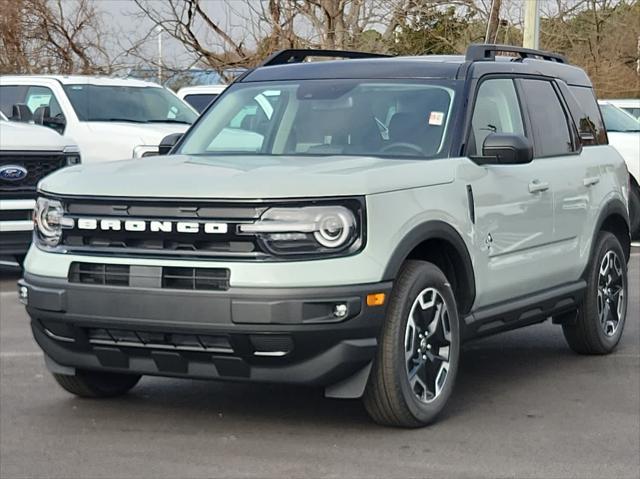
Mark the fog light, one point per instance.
(23, 294)
(340, 310)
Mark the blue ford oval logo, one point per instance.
(13, 173)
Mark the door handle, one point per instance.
(591, 180)
(537, 186)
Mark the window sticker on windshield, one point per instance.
(436, 118)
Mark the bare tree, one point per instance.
(52, 36)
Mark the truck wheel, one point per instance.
(419, 348)
(634, 211)
(601, 316)
(97, 384)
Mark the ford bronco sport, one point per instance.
(342, 224)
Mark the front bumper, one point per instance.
(285, 335)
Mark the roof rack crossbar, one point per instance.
(299, 55)
(478, 52)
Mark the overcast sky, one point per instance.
(121, 18)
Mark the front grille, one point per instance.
(211, 279)
(123, 241)
(15, 215)
(159, 340)
(37, 165)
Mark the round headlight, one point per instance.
(334, 230)
(49, 218)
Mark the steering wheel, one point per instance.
(403, 147)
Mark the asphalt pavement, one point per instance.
(525, 406)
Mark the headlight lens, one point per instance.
(49, 219)
(312, 229)
(72, 156)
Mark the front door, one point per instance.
(513, 204)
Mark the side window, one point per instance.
(9, 96)
(551, 133)
(586, 114)
(38, 96)
(496, 111)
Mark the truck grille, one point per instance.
(120, 241)
(212, 279)
(37, 165)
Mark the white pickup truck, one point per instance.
(108, 118)
(27, 154)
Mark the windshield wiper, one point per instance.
(127, 120)
(170, 121)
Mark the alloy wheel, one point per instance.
(427, 345)
(611, 293)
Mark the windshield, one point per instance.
(618, 120)
(131, 104)
(326, 117)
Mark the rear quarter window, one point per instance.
(586, 114)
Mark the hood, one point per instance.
(628, 145)
(247, 177)
(138, 133)
(16, 136)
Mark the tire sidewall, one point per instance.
(428, 276)
(634, 210)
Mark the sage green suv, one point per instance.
(342, 224)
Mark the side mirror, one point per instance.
(506, 149)
(168, 142)
(20, 112)
(42, 116)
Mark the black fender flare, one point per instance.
(438, 230)
(614, 207)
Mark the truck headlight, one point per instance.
(72, 155)
(49, 219)
(305, 230)
(142, 151)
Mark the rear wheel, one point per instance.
(97, 384)
(601, 316)
(417, 360)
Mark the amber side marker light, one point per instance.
(375, 299)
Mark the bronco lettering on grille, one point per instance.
(153, 226)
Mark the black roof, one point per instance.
(480, 60)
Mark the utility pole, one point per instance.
(159, 30)
(493, 22)
(531, 37)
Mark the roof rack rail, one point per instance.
(299, 55)
(477, 52)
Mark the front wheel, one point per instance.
(601, 316)
(417, 360)
(97, 384)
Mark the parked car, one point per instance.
(630, 105)
(387, 210)
(624, 134)
(199, 97)
(108, 118)
(27, 154)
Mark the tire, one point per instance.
(634, 211)
(391, 398)
(598, 328)
(97, 384)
